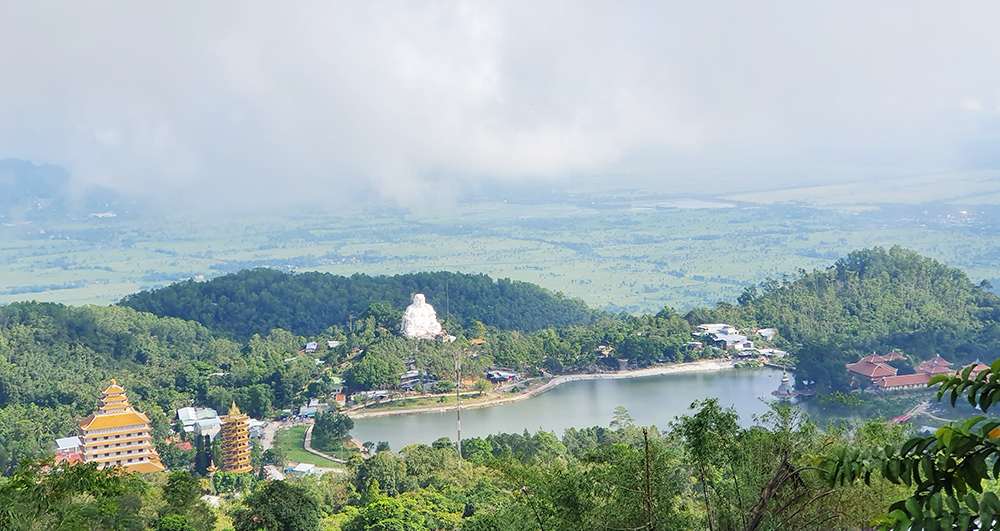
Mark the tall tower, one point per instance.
(118, 435)
(236, 441)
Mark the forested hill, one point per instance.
(877, 300)
(257, 301)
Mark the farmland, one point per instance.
(620, 251)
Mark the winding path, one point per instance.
(307, 444)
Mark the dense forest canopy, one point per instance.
(54, 358)
(260, 300)
(875, 300)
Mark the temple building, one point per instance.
(236, 441)
(118, 435)
(785, 391)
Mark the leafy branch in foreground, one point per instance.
(945, 470)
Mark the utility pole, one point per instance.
(458, 402)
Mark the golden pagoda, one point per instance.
(118, 435)
(236, 441)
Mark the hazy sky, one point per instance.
(251, 102)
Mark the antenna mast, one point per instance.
(458, 402)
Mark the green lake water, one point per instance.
(651, 400)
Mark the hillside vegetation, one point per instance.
(875, 300)
(260, 300)
(54, 358)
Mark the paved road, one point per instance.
(267, 438)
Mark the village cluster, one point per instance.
(727, 338)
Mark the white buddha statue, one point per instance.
(420, 319)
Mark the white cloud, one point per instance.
(972, 104)
(312, 100)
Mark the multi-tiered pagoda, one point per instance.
(236, 441)
(118, 435)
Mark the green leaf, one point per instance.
(967, 425)
(952, 504)
(989, 501)
(944, 434)
(979, 465)
(971, 502)
(910, 444)
(891, 470)
(927, 467)
(964, 519)
(937, 504)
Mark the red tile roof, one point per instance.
(978, 368)
(935, 365)
(871, 370)
(890, 382)
(875, 358)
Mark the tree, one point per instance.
(278, 506)
(376, 371)
(622, 419)
(946, 470)
(181, 491)
(381, 513)
(330, 429)
(80, 496)
(174, 522)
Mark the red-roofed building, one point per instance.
(871, 369)
(906, 381)
(976, 369)
(901, 419)
(935, 365)
(186, 445)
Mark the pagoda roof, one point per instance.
(145, 467)
(129, 417)
(113, 389)
(876, 358)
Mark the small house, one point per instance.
(68, 449)
(303, 469)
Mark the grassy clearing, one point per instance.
(290, 441)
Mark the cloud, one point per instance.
(254, 102)
(972, 104)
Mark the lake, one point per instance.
(651, 400)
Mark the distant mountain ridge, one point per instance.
(40, 191)
(259, 300)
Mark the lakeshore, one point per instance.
(679, 368)
(654, 396)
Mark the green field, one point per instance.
(624, 251)
(290, 441)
